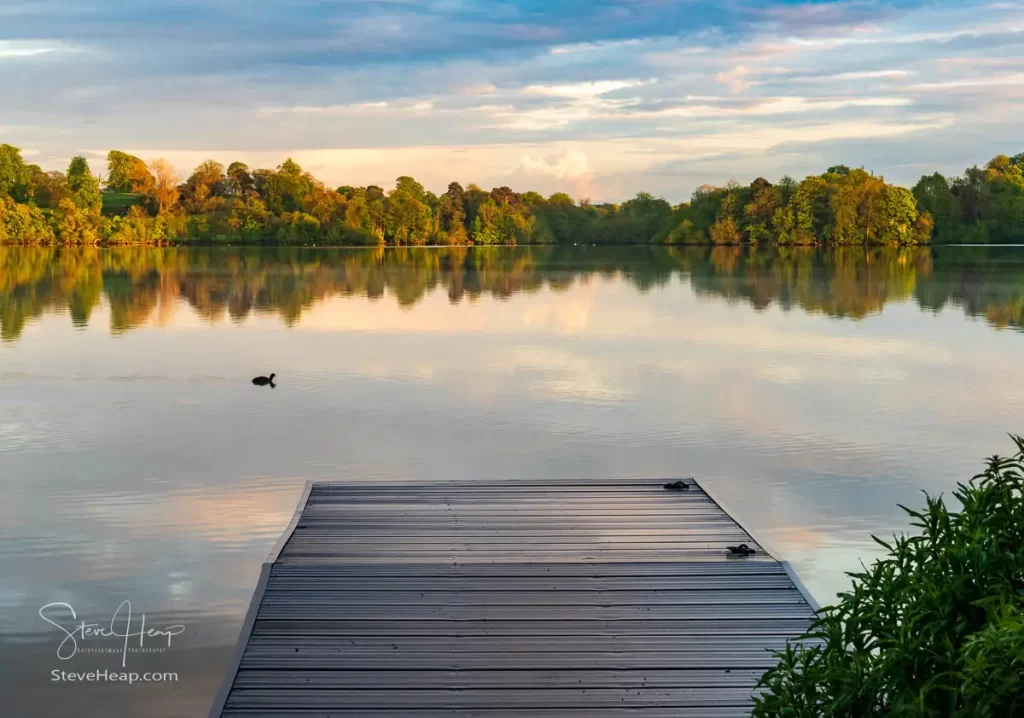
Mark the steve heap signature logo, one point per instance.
(131, 638)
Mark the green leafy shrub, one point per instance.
(933, 629)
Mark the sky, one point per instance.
(599, 98)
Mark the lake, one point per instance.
(811, 390)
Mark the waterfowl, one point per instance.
(677, 486)
(741, 550)
(264, 380)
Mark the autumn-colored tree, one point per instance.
(164, 193)
(23, 224)
(324, 204)
(759, 211)
(77, 225)
(207, 180)
(50, 189)
(127, 173)
(840, 206)
(240, 181)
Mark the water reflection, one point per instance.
(138, 461)
(144, 285)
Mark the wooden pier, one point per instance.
(591, 599)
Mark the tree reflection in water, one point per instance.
(144, 284)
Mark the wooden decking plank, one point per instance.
(308, 660)
(355, 597)
(370, 699)
(442, 539)
(616, 712)
(535, 583)
(502, 680)
(641, 483)
(606, 598)
(345, 628)
(532, 613)
(738, 567)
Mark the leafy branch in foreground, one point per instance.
(936, 628)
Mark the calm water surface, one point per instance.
(812, 391)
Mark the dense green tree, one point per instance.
(407, 215)
(451, 213)
(357, 212)
(560, 220)
(726, 228)
(85, 188)
(127, 173)
(23, 224)
(376, 210)
(935, 196)
(794, 222)
(208, 180)
(502, 218)
(759, 211)
(14, 175)
(298, 228)
(981, 206)
(473, 197)
(249, 218)
(634, 221)
(50, 189)
(283, 190)
(898, 223)
(77, 224)
(239, 180)
(134, 228)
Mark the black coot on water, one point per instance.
(264, 380)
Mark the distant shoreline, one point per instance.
(212, 243)
(147, 204)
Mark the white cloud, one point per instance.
(484, 88)
(29, 48)
(862, 75)
(582, 90)
(774, 106)
(361, 109)
(591, 46)
(571, 164)
(1014, 80)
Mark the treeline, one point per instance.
(148, 204)
(843, 282)
(984, 206)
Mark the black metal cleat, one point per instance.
(677, 486)
(741, 550)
